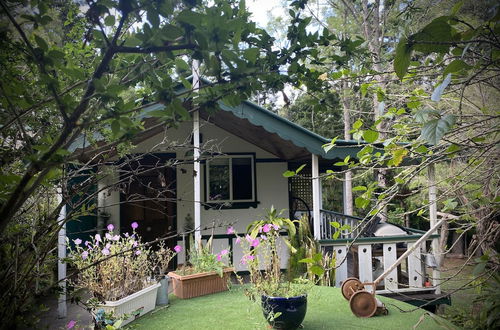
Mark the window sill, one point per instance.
(230, 206)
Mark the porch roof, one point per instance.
(262, 128)
(274, 133)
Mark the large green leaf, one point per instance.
(403, 58)
(455, 66)
(370, 136)
(433, 37)
(435, 129)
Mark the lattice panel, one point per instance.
(301, 187)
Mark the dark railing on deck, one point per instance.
(327, 230)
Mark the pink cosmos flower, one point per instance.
(246, 258)
(266, 228)
(85, 254)
(87, 243)
(238, 240)
(116, 238)
(108, 236)
(134, 225)
(97, 237)
(224, 252)
(138, 252)
(255, 242)
(108, 246)
(230, 230)
(70, 324)
(126, 235)
(249, 238)
(219, 257)
(111, 227)
(78, 241)
(177, 248)
(105, 252)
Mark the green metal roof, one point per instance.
(290, 131)
(272, 123)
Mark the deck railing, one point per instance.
(228, 241)
(367, 257)
(362, 257)
(327, 230)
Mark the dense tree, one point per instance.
(73, 70)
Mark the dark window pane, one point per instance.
(219, 179)
(242, 178)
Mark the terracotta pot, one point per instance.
(195, 285)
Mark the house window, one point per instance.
(231, 179)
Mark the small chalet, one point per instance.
(227, 168)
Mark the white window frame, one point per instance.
(230, 200)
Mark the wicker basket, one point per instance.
(195, 285)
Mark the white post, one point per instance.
(316, 192)
(196, 164)
(436, 250)
(347, 193)
(61, 266)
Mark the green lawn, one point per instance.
(456, 281)
(456, 276)
(327, 309)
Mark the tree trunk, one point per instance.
(348, 205)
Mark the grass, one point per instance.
(457, 278)
(327, 309)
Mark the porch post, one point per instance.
(196, 152)
(316, 192)
(61, 266)
(436, 250)
(347, 193)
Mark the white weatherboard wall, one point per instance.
(271, 186)
(108, 197)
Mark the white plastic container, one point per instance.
(138, 304)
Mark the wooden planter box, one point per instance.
(195, 285)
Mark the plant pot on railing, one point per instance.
(284, 313)
(199, 284)
(133, 306)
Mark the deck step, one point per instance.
(421, 298)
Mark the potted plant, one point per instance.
(205, 273)
(283, 301)
(116, 270)
(161, 260)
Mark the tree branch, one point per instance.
(152, 49)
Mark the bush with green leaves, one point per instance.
(201, 259)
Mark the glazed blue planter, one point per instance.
(292, 311)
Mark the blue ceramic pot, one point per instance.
(293, 310)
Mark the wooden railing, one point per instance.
(367, 257)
